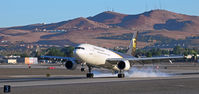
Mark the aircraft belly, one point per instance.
(96, 61)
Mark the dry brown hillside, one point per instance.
(96, 29)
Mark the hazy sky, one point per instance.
(24, 12)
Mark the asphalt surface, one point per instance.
(181, 80)
(187, 85)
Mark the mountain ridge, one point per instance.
(105, 24)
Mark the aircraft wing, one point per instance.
(146, 60)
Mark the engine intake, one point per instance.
(123, 65)
(71, 65)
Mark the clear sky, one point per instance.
(24, 12)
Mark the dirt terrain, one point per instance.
(88, 30)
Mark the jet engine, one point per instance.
(123, 65)
(71, 65)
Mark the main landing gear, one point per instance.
(121, 74)
(89, 74)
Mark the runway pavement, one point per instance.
(186, 84)
(181, 80)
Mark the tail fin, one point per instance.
(132, 46)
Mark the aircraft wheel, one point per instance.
(121, 75)
(82, 69)
(89, 75)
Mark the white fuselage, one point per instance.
(94, 55)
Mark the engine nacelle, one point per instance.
(123, 65)
(71, 65)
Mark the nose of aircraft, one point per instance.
(77, 53)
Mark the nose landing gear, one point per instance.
(82, 67)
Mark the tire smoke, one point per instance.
(134, 72)
(145, 72)
(98, 73)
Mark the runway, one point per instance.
(80, 85)
(180, 81)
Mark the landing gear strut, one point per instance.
(89, 74)
(82, 67)
(121, 74)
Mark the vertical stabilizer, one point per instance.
(132, 46)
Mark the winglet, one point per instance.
(132, 46)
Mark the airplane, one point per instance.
(94, 56)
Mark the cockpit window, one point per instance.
(79, 48)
